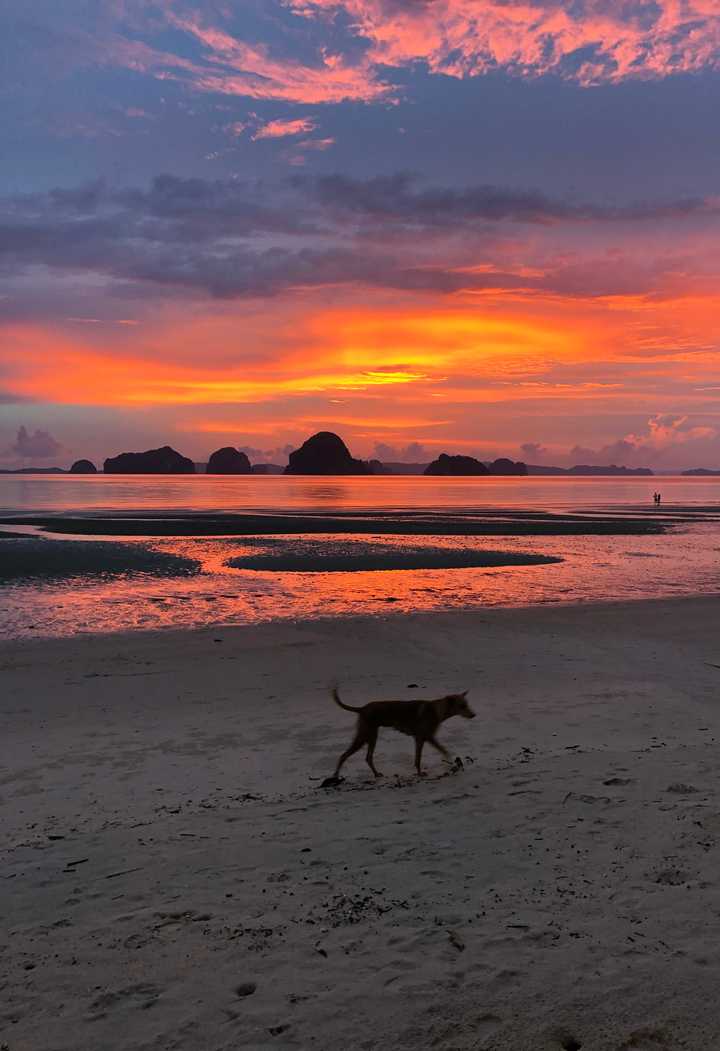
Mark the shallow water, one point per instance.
(593, 569)
(239, 580)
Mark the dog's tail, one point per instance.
(336, 698)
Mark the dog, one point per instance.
(418, 719)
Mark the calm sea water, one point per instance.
(65, 494)
(683, 561)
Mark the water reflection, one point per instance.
(324, 494)
(124, 493)
(594, 568)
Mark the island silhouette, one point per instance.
(228, 461)
(325, 453)
(154, 461)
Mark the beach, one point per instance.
(175, 877)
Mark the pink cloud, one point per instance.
(233, 67)
(462, 38)
(298, 155)
(278, 129)
(590, 41)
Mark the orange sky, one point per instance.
(483, 373)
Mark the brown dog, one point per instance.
(418, 719)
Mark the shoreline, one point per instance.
(426, 618)
(175, 877)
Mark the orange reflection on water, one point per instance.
(270, 493)
(594, 568)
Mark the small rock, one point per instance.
(245, 989)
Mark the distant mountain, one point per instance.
(534, 468)
(587, 469)
(34, 470)
(153, 461)
(325, 453)
(701, 472)
(456, 466)
(505, 466)
(394, 467)
(267, 468)
(468, 466)
(83, 467)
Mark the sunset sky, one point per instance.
(478, 226)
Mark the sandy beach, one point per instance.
(174, 877)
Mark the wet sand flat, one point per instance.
(173, 876)
(410, 523)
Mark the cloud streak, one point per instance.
(231, 239)
(589, 41)
(228, 65)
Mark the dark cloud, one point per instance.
(279, 454)
(40, 445)
(414, 452)
(533, 452)
(229, 238)
(398, 198)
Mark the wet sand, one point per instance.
(506, 522)
(43, 559)
(174, 877)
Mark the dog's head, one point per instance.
(458, 705)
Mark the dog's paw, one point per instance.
(332, 782)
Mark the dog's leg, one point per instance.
(372, 741)
(441, 748)
(419, 742)
(357, 743)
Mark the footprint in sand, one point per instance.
(142, 995)
(646, 1039)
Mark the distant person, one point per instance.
(655, 498)
(659, 498)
